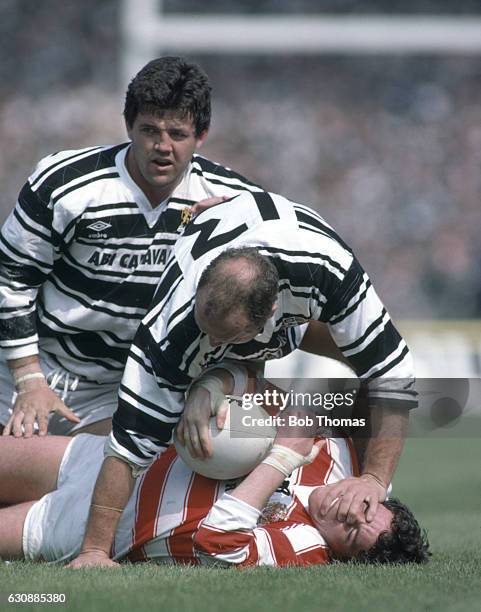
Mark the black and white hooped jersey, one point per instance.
(319, 279)
(82, 253)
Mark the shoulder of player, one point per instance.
(221, 177)
(62, 167)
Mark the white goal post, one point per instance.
(149, 32)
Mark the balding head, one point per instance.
(236, 295)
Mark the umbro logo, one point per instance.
(99, 226)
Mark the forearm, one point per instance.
(112, 492)
(381, 452)
(318, 341)
(261, 483)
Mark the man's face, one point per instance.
(162, 147)
(233, 329)
(347, 541)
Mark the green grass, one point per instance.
(439, 479)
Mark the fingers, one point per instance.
(222, 415)
(350, 509)
(61, 408)
(207, 203)
(372, 508)
(33, 408)
(181, 432)
(332, 494)
(354, 499)
(198, 441)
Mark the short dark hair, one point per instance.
(406, 542)
(255, 292)
(170, 84)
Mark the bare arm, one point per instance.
(112, 492)
(378, 454)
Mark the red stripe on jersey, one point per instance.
(149, 498)
(354, 460)
(213, 541)
(199, 500)
(316, 473)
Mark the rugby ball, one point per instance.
(244, 442)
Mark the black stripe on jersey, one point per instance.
(204, 242)
(87, 302)
(145, 426)
(370, 328)
(309, 217)
(29, 228)
(150, 405)
(85, 342)
(162, 361)
(64, 160)
(94, 179)
(30, 273)
(168, 283)
(35, 209)
(266, 206)
(184, 201)
(274, 251)
(86, 358)
(98, 160)
(127, 294)
(345, 292)
(106, 208)
(13, 328)
(211, 167)
(377, 351)
(391, 364)
(48, 316)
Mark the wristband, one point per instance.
(26, 377)
(376, 478)
(286, 460)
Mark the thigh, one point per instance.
(29, 466)
(12, 520)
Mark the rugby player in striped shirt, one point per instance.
(286, 267)
(81, 254)
(174, 515)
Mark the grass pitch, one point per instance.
(439, 479)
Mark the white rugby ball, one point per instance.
(238, 448)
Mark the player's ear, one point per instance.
(274, 308)
(201, 138)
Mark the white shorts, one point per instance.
(54, 526)
(90, 401)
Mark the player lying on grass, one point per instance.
(286, 267)
(269, 518)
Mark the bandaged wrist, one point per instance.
(239, 374)
(286, 460)
(215, 387)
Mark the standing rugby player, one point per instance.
(82, 252)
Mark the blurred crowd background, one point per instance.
(387, 148)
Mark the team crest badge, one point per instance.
(185, 215)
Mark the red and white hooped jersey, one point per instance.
(179, 516)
